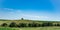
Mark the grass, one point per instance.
(25, 21)
(32, 28)
(4, 28)
(22, 21)
(27, 28)
(42, 28)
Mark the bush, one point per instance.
(39, 25)
(13, 24)
(47, 24)
(22, 25)
(58, 25)
(33, 25)
(30, 25)
(4, 24)
(22, 18)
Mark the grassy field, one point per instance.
(32, 28)
(17, 21)
(28, 28)
(24, 21)
(42, 28)
(5, 28)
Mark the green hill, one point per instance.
(25, 21)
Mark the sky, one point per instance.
(46, 10)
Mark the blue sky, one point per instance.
(30, 9)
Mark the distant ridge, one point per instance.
(27, 20)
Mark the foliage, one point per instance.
(22, 25)
(22, 18)
(4, 24)
(5, 28)
(13, 24)
(47, 24)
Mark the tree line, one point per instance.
(45, 24)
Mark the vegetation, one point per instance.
(5, 28)
(22, 18)
(22, 23)
(41, 28)
(32, 28)
(13, 24)
(47, 24)
(4, 25)
(27, 23)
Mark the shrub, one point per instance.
(33, 25)
(47, 24)
(30, 25)
(13, 24)
(38, 25)
(22, 25)
(58, 25)
(4, 24)
(22, 18)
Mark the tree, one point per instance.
(22, 25)
(38, 25)
(13, 24)
(4, 24)
(47, 24)
(22, 19)
(34, 25)
(30, 25)
(58, 25)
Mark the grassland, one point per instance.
(42, 28)
(24, 21)
(18, 21)
(6, 28)
(28, 28)
(32, 28)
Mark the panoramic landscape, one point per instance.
(29, 14)
(29, 25)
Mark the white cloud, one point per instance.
(7, 9)
(34, 17)
(7, 13)
(17, 14)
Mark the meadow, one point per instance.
(29, 28)
(32, 28)
(6, 28)
(41, 28)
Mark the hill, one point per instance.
(24, 21)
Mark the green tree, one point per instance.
(13, 24)
(47, 24)
(22, 25)
(22, 18)
(4, 24)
